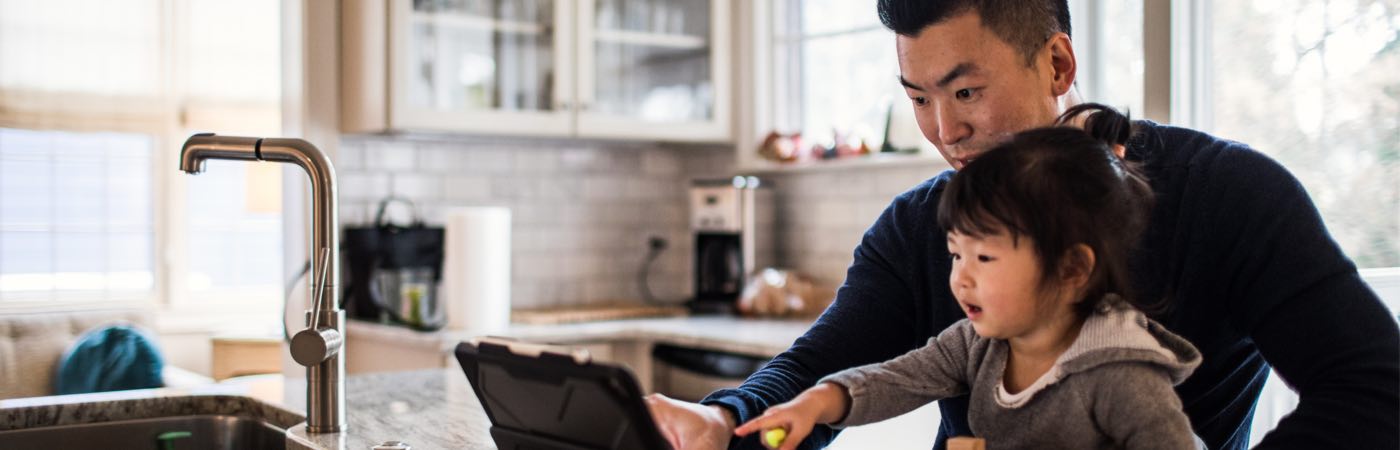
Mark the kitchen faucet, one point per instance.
(320, 345)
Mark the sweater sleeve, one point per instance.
(933, 372)
(872, 318)
(1136, 407)
(1302, 302)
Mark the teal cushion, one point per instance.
(112, 358)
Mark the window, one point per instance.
(836, 73)
(96, 97)
(1316, 85)
(75, 215)
(1107, 39)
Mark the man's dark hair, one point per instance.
(1060, 187)
(1024, 24)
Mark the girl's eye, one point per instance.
(955, 256)
(964, 94)
(985, 258)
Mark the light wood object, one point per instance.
(241, 355)
(967, 443)
(592, 313)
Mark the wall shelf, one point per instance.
(642, 38)
(479, 23)
(876, 160)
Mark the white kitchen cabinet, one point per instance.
(623, 69)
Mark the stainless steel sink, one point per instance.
(218, 432)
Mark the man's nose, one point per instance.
(952, 129)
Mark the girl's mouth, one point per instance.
(973, 311)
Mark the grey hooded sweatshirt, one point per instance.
(1111, 389)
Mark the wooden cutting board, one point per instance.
(592, 313)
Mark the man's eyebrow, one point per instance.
(958, 71)
(909, 85)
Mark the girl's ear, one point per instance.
(1077, 265)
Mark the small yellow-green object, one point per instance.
(774, 437)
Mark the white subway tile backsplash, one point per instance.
(582, 211)
(605, 188)
(660, 163)
(350, 156)
(362, 186)
(533, 160)
(422, 188)
(489, 161)
(466, 188)
(390, 156)
(435, 158)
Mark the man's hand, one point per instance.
(691, 426)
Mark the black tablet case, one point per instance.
(553, 402)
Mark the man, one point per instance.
(1235, 246)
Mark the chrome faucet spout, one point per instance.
(320, 347)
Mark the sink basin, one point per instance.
(216, 432)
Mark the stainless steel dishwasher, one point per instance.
(688, 373)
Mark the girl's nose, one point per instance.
(959, 280)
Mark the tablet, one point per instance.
(546, 397)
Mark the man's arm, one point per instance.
(1313, 319)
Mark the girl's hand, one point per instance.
(825, 403)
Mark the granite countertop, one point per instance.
(758, 337)
(427, 409)
(258, 398)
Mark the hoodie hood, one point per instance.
(1117, 332)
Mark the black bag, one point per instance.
(394, 271)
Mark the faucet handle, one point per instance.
(315, 345)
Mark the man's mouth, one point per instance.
(964, 161)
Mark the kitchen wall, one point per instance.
(822, 215)
(581, 210)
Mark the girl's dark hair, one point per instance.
(1059, 186)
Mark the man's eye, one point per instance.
(963, 94)
(919, 100)
(985, 258)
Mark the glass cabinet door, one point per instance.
(473, 64)
(653, 62)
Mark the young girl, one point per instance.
(1053, 353)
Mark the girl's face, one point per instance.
(998, 285)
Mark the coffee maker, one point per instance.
(732, 220)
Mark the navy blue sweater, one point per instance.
(1235, 247)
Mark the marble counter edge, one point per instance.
(658, 330)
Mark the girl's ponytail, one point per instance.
(1103, 123)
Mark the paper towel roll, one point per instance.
(476, 269)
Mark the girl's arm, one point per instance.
(824, 403)
(943, 368)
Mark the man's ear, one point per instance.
(1062, 64)
(1076, 266)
